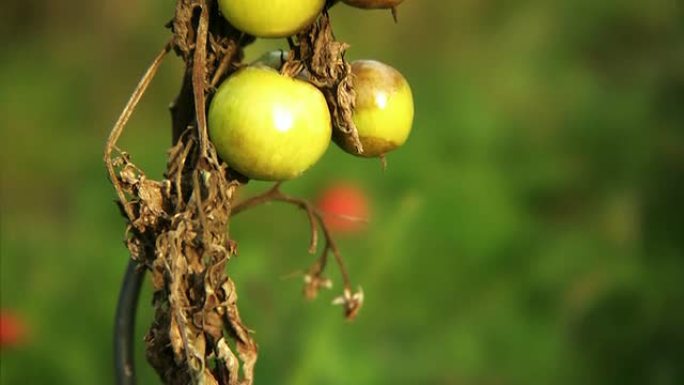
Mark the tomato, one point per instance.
(268, 126)
(271, 18)
(384, 109)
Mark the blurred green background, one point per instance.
(530, 232)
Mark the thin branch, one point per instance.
(274, 194)
(120, 124)
(256, 200)
(315, 217)
(199, 80)
(224, 64)
(182, 109)
(332, 246)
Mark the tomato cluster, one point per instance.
(269, 126)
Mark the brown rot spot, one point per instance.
(373, 4)
(371, 77)
(372, 146)
(376, 147)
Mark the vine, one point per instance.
(176, 227)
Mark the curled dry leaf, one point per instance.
(177, 226)
(323, 57)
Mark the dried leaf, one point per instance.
(329, 71)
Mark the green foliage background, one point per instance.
(530, 232)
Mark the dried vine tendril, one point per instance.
(176, 227)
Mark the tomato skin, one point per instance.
(345, 207)
(271, 18)
(268, 126)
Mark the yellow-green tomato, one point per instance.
(271, 18)
(384, 109)
(268, 126)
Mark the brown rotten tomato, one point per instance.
(373, 4)
(384, 109)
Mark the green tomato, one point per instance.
(373, 4)
(384, 109)
(268, 126)
(271, 18)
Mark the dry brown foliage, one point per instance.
(177, 227)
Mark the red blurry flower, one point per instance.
(344, 207)
(12, 329)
